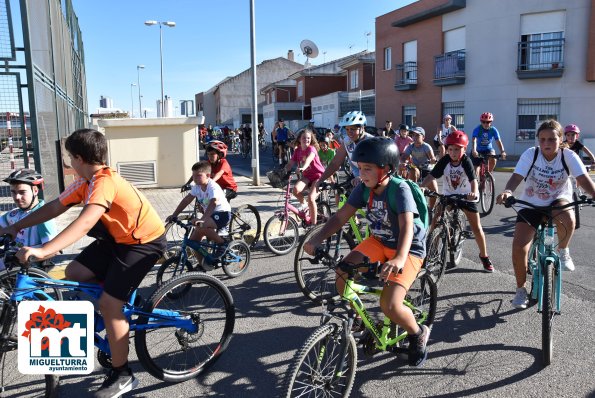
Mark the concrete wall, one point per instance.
(170, 142)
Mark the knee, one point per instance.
(110, 306)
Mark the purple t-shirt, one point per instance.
(315, 170)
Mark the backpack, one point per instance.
(418, 197)
(535, 159)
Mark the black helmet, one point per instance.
(377, 150)
(25, 176)
(404, 127)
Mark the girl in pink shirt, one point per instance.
(308, 162)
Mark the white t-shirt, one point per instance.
(212, 191)
(547, 180)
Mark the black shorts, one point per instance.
(469, 206)
(282, 144)
(121, 267)
(534, 217)
(221, 219)
(484, 154)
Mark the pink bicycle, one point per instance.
(281, 231)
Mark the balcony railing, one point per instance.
(406, 76)
(449, 68)
(540, 58)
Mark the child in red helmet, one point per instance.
(220, 169)
(460, 178)
(571, 133)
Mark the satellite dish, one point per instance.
(309, 49)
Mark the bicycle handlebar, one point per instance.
(450, 198)
(342, 187)
(320, 254)
(511, 200)
(186, 226)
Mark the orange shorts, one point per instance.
(376, 251)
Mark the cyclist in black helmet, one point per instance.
(396, 241)
(25, 185)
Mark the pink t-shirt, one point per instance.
(402, 143)
(315, 170)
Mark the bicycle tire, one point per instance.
(319, 356)
(174, 235)
(8, 355)
(234, 268)
(533, 268)
(487, 195)
(324, 212)
(577, 211)
(456, 251)
(437, 253)
(171, 268)
(317, 281)
(423, 294)
(547, 312)
(209, 303)
(278, 243)
(245, 224)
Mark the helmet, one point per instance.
(486, 117)
(353, 118)
(447, 116)
(377, 150)
(25, 176)
(404, 127)
(572, 128)
(217, 146)
(418, 130)
(458, 138)
(311, 120)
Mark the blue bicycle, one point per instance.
(545, 271)
(179, 332)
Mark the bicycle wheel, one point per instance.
(317, 281)
(174, 354)
(487, 195)
(174, 235)
(577, 211)
(313, 369)
(281, 236)
(423, 295)
(324, 212)
(436, 257)
(236, 258)
(12, 382)
(245, 225)
(548, 305)
(456, 251)
(171, 268)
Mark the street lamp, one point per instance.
(171, 25)
(132, 100)
(140, 104)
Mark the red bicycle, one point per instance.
(487, 191)
(281, 231)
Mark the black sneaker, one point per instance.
(487, 264)
(116, 384)
(417, 347)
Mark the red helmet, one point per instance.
(217, 146)
(486, 117)
(458, 138)
(572, 128)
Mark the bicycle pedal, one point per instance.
(468, 235)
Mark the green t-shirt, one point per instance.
(326, 157)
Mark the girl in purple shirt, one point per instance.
(308, 163)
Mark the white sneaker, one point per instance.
(566, 260)
(520, 299)
(303, 207)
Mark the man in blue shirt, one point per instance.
(485, 133)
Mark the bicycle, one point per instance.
(447, 237)
(262, 144)
(281, 231)
(326, 364)
(545, 271)
(487, 191)
(233, 256)
(316, 279)
(245, 224)
(246, 148)
(179, 332)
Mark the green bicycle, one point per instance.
(326, 363)
(316, 280)
(546, 272)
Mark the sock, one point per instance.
(123, 368)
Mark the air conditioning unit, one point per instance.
(138, 173)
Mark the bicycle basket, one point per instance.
(277, 178)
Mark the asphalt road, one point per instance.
(479, 346)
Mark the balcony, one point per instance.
(406, 76)
(449, 68)
(540, 59)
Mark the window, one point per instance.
(531, 111)
(273, 96)
(300, 88)
(353, 77)
(542, 51)
(457, 111)
(387, 58)
(409, 115)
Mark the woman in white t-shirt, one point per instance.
(546, 183)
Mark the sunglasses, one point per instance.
(486, 122)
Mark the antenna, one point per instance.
(367, 34)
(350, 47)
(310, 50)
(324, 57)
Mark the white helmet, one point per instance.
(353, 118)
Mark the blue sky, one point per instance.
(210, 41)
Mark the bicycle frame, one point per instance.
(30, 288)
(290, 208)
(353, 220)
(545, 253)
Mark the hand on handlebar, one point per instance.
(503, 197)
(27, 254)
(472, 197)
(170, 218)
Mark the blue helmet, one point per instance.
(353, 118)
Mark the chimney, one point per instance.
(290, 55)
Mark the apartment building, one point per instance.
(524, 61)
